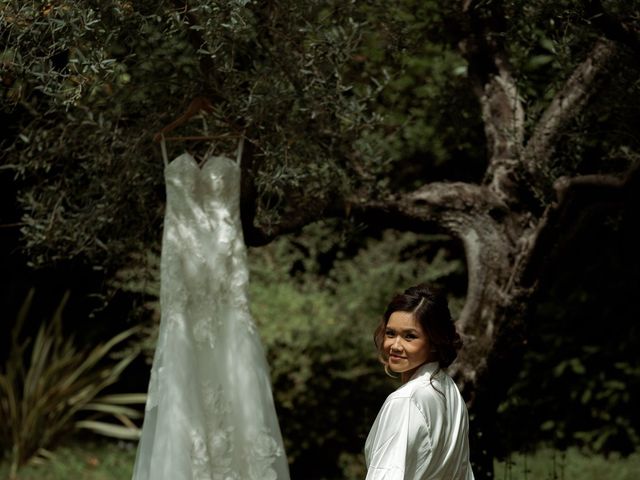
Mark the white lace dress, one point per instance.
(210, 412)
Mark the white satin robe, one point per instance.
(420, 434)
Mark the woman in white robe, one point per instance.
(421, 431)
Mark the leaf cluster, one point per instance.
(334, 98)
(88, 85)
(78, 114)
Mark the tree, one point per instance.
(319, 93)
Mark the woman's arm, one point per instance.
(399, 436)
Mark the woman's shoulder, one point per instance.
(413, 396)
(418, 386)
(428, 383)
(403, 396)
(429, 387)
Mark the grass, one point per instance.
(549, 464)
(86, 460)
(111, 460)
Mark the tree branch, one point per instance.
(439, 205)
(300, 211)
(566, 104)
(575, 198)
(473, 214)
(612, 27)
(503, 116)
(501, 106)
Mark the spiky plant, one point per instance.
(47, 381)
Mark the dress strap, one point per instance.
(163, 149)
(240, 149)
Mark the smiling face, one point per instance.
(405, 344)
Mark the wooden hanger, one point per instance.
(197, 105)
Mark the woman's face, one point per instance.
(405, 343)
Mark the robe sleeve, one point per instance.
(398, 431)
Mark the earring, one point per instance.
(388, 372)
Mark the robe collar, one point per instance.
(425, 369)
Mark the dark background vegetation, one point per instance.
(385, 107)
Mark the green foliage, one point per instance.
(47, 383)
(427, 100)
(598, 399)
(317, 355)
(140, 279)
(546, 40)
(116, 406)
(78, 109)
(88, 85)
(333, 96)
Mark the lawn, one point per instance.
(549, 464)
(93, 460)
(89, 460)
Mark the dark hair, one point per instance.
(429, 306)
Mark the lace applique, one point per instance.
(205, 330)
(263, 452)
(211, 460)
(211, 452)
(199, 457)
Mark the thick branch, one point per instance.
(575, 197)
(455, 197)
(503, 116)
(567, 103)
(469, 212)
(488, 252)
(300, 212)
(441, 206)
(612, 27)
(502, 108)
(435, 205)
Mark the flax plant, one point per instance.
(46, 383)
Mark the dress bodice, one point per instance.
(214, 184)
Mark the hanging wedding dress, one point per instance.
(209, 413)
